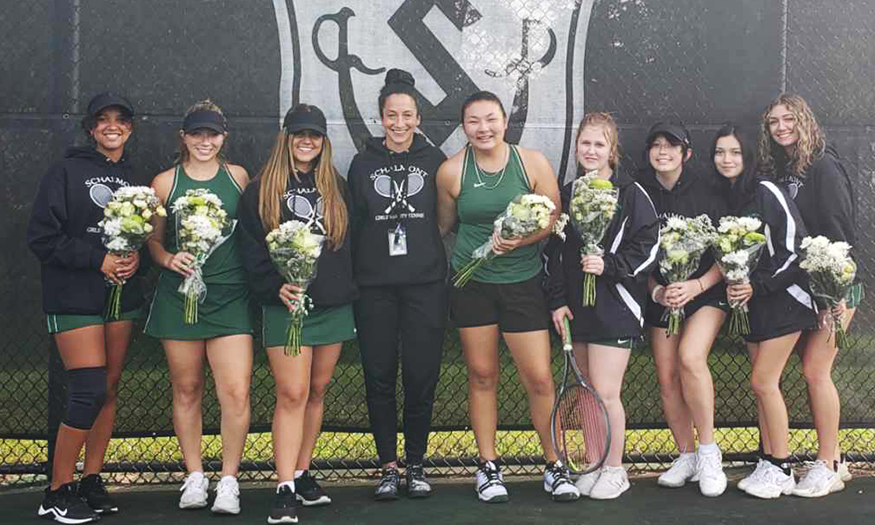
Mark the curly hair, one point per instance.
(773, 161)
(206, 104)
(609, 127)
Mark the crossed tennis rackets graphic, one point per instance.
(384, 186)
(303, 209)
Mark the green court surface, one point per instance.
(454, 502)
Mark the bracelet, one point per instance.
(653, 293)
(702, 286)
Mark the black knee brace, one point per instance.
(86, 393)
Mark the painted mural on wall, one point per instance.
(335, 54)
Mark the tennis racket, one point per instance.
(579, 424)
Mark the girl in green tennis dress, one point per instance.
(223, 332)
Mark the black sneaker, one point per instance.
(285, 507)
(93, 491)
(64, 506)
(310, 494)
(387, 490)
(417, 485)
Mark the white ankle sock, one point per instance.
(290, 484)
(299, 473)
(708, 448)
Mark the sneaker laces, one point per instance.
(416, 473)
(390, 477)
(817, 472)
(612, 476)
(709, 465)
(561, 474)
(227, 486)
(490, 471)
(189, 481)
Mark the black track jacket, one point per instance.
(631, 243)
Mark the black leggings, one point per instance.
(414, 316)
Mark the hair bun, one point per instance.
(399, 76)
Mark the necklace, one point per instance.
(480, 174)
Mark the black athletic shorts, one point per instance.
(514, 307)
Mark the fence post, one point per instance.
(57, 385)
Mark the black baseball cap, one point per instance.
(677, 131)
(106, 99)
(305, 117)
(204, 119)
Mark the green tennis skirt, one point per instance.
(224, 311)
(322, 326)
(58, 323)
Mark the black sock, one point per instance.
(781, 463)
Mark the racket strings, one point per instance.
(582, 427)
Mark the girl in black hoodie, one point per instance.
(603, 335)
(400, 267)
(779, 306)
(75, 267)
(299, 182)
(793, 152)
(686, 386)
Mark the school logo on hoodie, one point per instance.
(98, 190)
(530, 52)
(306, 209)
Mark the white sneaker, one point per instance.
(682, 469)
(612, 482)
(585, 482)
(819, 481)
(194, 491)
(761, 467)
(844, 472)
(712, 480)
(227, 496)
(772, 483)
(557, 481)
(490, 483)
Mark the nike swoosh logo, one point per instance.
(62, 514)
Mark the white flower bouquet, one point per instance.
(295, 251)
(201, 225)
(125, 228)
(524, 216)
(831, 271)
(737, 250)
(594, 202)
(682, 243)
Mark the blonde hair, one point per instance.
(274, 178)
(772, 159)
(182, 154)
(612, 134)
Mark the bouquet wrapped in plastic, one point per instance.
(737, 250)
(125, 228)
(295, 251)
(594, 202)
(524, 216)
(682, 242)
(201, 225)
(832, 272)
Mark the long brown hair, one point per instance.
(609, 127)
(274, 176)
(772, 158)
(182, 154)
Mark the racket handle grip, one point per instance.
(566, 337)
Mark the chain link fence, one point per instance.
(652, 60)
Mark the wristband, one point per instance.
(653, 293)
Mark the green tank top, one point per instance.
(483, 197)
(224, 265)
